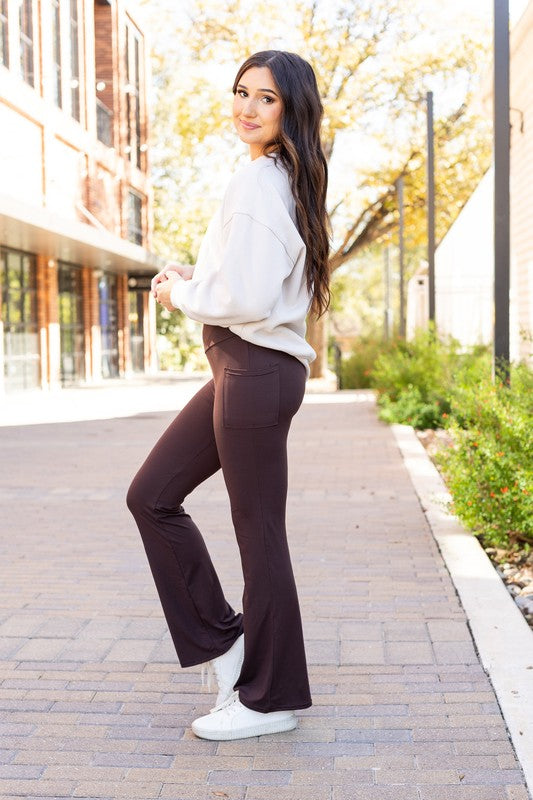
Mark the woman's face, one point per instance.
(257, 108)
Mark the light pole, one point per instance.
(399, 191)
(502, 146)
(431, 205)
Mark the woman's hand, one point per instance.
(185, 271)
(164, 287)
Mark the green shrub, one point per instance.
(489, 468)
(356, 369)
(429, 382)
(414, 381)
(411, 408)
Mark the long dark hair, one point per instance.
(299, 148)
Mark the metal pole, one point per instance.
(387, 315)
(502, 145)
(399, 189)
(431, 205)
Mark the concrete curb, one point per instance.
(502, 636)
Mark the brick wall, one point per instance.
(103, 48)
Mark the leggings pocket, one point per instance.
(250, 398)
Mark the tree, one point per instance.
(374, 60)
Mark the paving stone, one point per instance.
(447, 792)
(517, 793)
(38, 649)
(311, 778)
(416, 776)
(49, 757)
(20, 771)
(454, 652)
(276, 777)
(360, 652)
(49, 789)
(408, 652)
(502, 777)
(449, 630)
(126, 789)
(411, 631)
(374, 793)
(182, 791)
(21, 625)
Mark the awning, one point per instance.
(41, 230)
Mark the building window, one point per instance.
(104, 123)
(74, 61)
(137, 109)
(128, 90)
(4, 39)
(26, 41)
(71, 328)
(56, 53)
(108, 297)
(134, 147)
(18, 284)
(135, 217)
(103, 63)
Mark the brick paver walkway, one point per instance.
(94, 702)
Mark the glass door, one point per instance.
(71, 327)
(18, 279)
(107, 292)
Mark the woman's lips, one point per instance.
(248, 125)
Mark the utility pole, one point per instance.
(502, 147)
(431, 205)
(399, 191)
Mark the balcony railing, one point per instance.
(104, 123)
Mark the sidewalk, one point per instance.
(94, 702)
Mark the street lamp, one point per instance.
(430, 205)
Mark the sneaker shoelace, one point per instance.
(212, 669)
(230, 705)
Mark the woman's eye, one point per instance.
(270, 99)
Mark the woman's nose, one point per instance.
(249, 108)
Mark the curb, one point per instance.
(502, 636)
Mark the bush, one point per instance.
(411, 408)
(429, 382)
(489, 467)
(357, 368)
(415, 379)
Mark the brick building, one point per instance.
(75, 196)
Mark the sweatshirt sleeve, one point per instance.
(247, 282)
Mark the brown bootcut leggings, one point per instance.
(238, 421)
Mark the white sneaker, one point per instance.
(226, 669)
(233, 720)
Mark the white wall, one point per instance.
(464, 270)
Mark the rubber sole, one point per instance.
(269, 726)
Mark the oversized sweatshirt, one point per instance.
(249, 275)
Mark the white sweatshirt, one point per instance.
(249, 275)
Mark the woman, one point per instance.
(262, 265)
